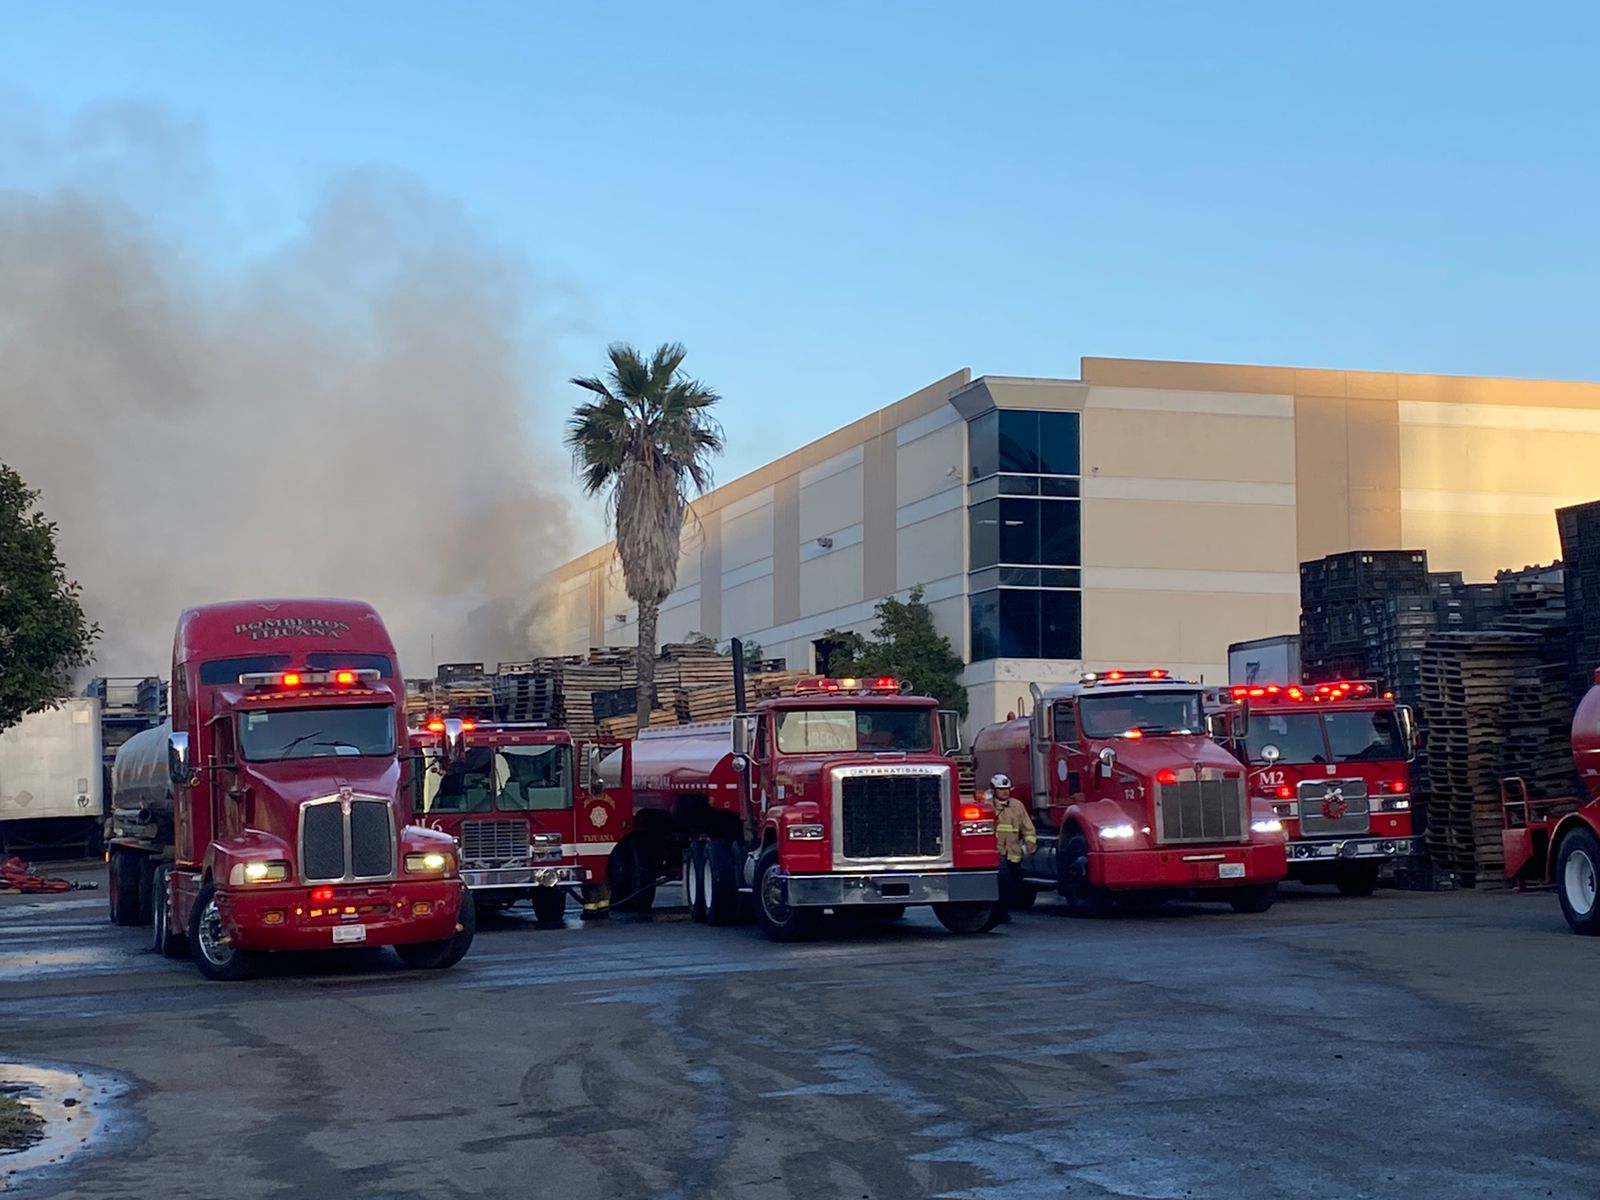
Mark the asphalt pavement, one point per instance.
(1406, 1045)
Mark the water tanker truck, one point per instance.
(267, 814)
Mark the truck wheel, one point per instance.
(1084, 899)
(779, 920)
(122, 886)
(969, 916)
(1254, 899)
(436, 956)
(694, 880)
(721, 883)
(1578, 880)
(216, 959)
(549, 906)
(1358, 879)
(631, 875)
(165, 939)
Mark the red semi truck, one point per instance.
(511, 797)
(267, 813)
(1333, 760)
(1132, 796)
(1558, 840)
(841, 796)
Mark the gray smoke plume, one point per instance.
(349, 414)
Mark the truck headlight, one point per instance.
(1120, 832)
(1271, 825)
(258, 871)
(433, 862)
(805, 833)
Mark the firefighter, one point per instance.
(1014, 829)
(596, 901)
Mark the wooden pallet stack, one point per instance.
(1494, 708)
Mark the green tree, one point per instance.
(44, 636)
(907, 645)
(646, 441)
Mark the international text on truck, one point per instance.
(266, 814)
(1133, 798)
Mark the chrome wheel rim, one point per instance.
(212, 945)
(1580, 882)
(707, 884)
(775, 897)
(691, 881)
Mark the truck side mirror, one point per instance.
(743, 735)
(950, 731)
(597, 781)
(178, 758)
(1408, 729)
(453, 743)
(1108, 760)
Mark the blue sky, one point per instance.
(833, 204)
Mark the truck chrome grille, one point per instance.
(1334, 806)
(335, 847)
(494, 843)
(1201, 807)
(893, 816)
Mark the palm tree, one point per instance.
(646, 440)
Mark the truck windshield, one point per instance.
(531, 777)
(869, 730)
(1364, 736)
(270, 735)
(1148, 712)
(1298, 737)
(463, 786)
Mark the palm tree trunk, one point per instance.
(646, 667)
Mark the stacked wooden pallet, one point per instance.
(1494, 708)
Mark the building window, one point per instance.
(1026, 538)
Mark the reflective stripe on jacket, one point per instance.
(1013, 828)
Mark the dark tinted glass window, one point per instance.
(1058, 487)
(1019, 624)
(1060, 624)
(1058, 443)
(334, 660)
(1058, 532)
(983, 444)
(1019, 531)
(221, 671)
(985, 519)
(1019, 442)
(1298, 737)
(1019, 485)
(985, 626)
(1365, 736)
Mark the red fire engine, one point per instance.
(1333, 761)
(1132, 796)
(509, 795)
(1559, 840)
(263, 815)
(841, 796)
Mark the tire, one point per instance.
(721, 877)
(1358, 879)
(694, 880)
(1084, 899)
(549, 906)
(1577, 880)
(217, 962)
(1256, 898)
(778, 919)
(165, 939)
(122, 886)
(438, 956)
(631, 876)
(969, 916)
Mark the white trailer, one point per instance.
(51, 781)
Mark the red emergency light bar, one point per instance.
(294, 679)
(436, 725)
(1316, 693)
(1119, 675)
(816, 684)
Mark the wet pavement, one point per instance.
(1406, 1045)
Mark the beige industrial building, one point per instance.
(1144, 514)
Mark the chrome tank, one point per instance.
(140, 781)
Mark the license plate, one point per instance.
(349, 933)
(1230, 870)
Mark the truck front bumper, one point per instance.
(1365, 848)
(893, 887)
(385, 914)
(1185, 867)
(523, 879)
